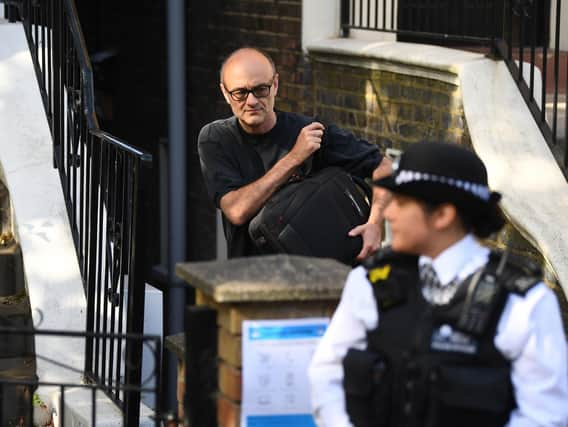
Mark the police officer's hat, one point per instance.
(447, 173)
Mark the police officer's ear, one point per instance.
(444, 216)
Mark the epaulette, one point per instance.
(378, 258)
(520, 273)
(522, 284)
(386, 255)
(388, 271)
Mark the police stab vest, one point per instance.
(434, 366)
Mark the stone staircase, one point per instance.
(17, 356)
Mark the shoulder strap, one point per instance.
(520, 274)
(487, 292)
(309, 162)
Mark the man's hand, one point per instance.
(308, 142)
(240, 205)
(371, 234)
(372, 231)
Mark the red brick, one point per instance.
(228, 412)
(230, 381)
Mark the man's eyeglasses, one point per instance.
(241, 94)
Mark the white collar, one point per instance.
(458, 260)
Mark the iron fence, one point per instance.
(526, 34)
(472, 21)
(61, 400)
(103, 180)
(531, 47)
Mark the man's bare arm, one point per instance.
(242, 204)
(381, 197)
(371, 231)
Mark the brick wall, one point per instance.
(219, 27)
(390, 107)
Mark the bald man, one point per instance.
(246, 157)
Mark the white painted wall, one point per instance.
(320, 20)
(563, 25)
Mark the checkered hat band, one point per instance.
(480, 191)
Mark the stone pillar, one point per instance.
(269, 287)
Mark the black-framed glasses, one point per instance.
(242, 93)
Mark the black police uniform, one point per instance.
(434, 365)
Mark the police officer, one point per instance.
(438, 330)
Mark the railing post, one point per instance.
(498, 23)
(58, 64)
(141, 205)
(91, 267)
(345, 18)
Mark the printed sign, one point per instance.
(276, 355)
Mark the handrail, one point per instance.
(143, 155)
(86, 66)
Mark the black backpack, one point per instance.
(312, 215)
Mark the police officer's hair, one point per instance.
(256, 49)
(481, 226)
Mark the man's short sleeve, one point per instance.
(355, 155)
(219, 164)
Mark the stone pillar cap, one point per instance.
(267, 278)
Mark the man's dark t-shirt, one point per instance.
(231, 158)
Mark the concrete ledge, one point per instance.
(406, 58)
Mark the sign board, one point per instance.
(276, 355)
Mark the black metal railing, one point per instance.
(103, 180)
(469, 21)
(531, 47)
(525, 33)
(27, 401)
